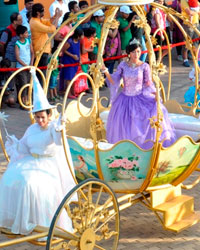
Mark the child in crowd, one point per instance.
(53, 85)
(87, 23)
(194, 6)
(73, 7)
(86, 46)
(71, 55)
(112, 47)
(124, 27)
(24, 56)
(8, 97)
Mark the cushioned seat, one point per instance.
(183, 124)
(186, 125)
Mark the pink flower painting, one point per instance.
(123, 168)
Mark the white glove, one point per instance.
(11, 139)
(59, 125)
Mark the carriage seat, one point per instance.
(186, 125)
(183, 124)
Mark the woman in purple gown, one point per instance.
(132, 108)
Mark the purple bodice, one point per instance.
(136, 80)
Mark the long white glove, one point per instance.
(11, 139)
(59, 126)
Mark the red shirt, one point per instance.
(13, 31)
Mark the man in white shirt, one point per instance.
(61, 5)
(28, 7)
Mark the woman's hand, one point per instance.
(104, 70)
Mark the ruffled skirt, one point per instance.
(129, 118)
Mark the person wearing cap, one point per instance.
(98, 18)
(37, 177)
(28, 7)
(124, 27)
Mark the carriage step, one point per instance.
(176, 209)
(185, 223)
(163, 195)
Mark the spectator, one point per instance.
(73, 7)
(159, 22)
(112, 48)
(58, 4)
(177, 34)
(83, 5)
(124, 27)
(28, 7)
(8, 97)
(98, 18)
(62, 32)
(25, 56)
(87, 23)
(194, 6)
(71, 54)
(58, 38)
(53, 85)
(138, 33)
(187, 13)
(86, 46)
(9, 38)
(40, 28)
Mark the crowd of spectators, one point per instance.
(28, 32)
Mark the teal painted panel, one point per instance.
(125, 166)
(83, 160)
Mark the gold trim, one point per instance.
(79, 143)
(125, 2)
(123, 141)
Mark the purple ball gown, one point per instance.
(133, 106)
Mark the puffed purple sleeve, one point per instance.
(116, 76)
(148, 85)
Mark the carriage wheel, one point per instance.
(93, 210)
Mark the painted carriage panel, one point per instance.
(83, 158)
(124, 166)
(173, 161)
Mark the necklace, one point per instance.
(133, 65)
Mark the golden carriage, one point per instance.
(157, 174)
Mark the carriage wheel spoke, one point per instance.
(99, 247)
(65, 231)
(106, 221)
(96, 204)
